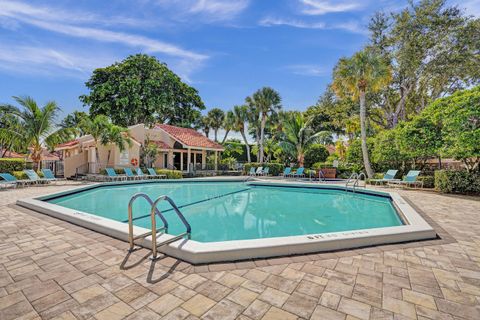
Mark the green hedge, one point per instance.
(9, 165)
(20, 175)
(171, 174)
(275, 169)
(450, 181)
(428, 181)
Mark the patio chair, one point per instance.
(33, 176)
(252, 171)
(287, 172)
(259, 171)
(6, 182)
(153, 174)
(113, 176)
(389, 176)
(265, 171)
(48, 174)
(130, 175)
(142, 175)
(299, 173)
(9, 178)
(409, 180)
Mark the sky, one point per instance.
(226, 49)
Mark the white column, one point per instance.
(216, 160)
(181, 161)
(189, 154)
(204, 158)
(194, 159)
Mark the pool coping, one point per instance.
(416, 228)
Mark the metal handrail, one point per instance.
(131, 238)
(356, 183)
(352, 176)
(154, 233)
(321, 176)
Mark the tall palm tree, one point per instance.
(240, 114)
(205, 125)
(267, 101)
(253, 117)
(365, 71)
(38, 126)
(297, 135)
(11, 137)
(104, 132)
(228, 124)
(216, 116)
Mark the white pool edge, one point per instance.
(416, 228)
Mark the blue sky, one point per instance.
(225, 49)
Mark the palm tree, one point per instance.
(240, 114)
(205, 125)
(297, 135)
(216, 117)
(365, 71)
(11, 137)
(104, 132)
(228, 123)
(267, 101)
(38, 126)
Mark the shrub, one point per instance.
(274, 168)
(428, 181)
(9, 165)
(451, 181)
(315, 153)
(20, 175)
(171, 174)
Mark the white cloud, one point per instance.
(210, 10)
(350, 26)
(472, 7)
(320, 7)
(311, 70)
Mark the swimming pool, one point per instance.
(235, 215)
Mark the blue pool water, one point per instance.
(222, 211)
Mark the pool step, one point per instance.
(154, 211)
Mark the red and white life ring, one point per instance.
(134, 162)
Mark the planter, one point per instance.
(329, 173)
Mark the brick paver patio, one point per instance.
(53, 269)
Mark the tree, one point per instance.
(73, 120)
(433, 49)
(38, 126)
(104, 132)
(240, 115)
(228, 124)
(140, 89)
(315, 153)
(298, 135)
(366, 70)
(149, 152)
(266, 101)
(215, 118)
(204, 124)
(387, 152)
(11, 136)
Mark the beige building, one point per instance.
(179, 148)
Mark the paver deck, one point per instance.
(52, 269)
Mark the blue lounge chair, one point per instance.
(259, 171)
(299, 173)
(113, 176)
(129, 174)
(389, 176)
(9, 180)
(265, 171)
(33, 176)
(409, 180)
(287, 172)
(153, 174)
(252, 171)
(48, 174)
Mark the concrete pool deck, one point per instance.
(50, 268)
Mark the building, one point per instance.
(179, 148)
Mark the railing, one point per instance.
(355, 178)
(153, 213)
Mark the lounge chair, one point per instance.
(299, 173)
(33, 176)
(265, 171)
(287, 172)
(130, 175)
(153, 174)
(113, 176)
(5, 183)
(252, 171)
(389, 176)
(142, 175)
(409, 180)
(9, 178)
(48, 174)
(259, 171)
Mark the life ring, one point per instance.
(134, 162)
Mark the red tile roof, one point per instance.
(189, 137)
(67, 144)
(12, 154)
(161, 144)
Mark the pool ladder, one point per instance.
(153, 213)
(355, 178)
